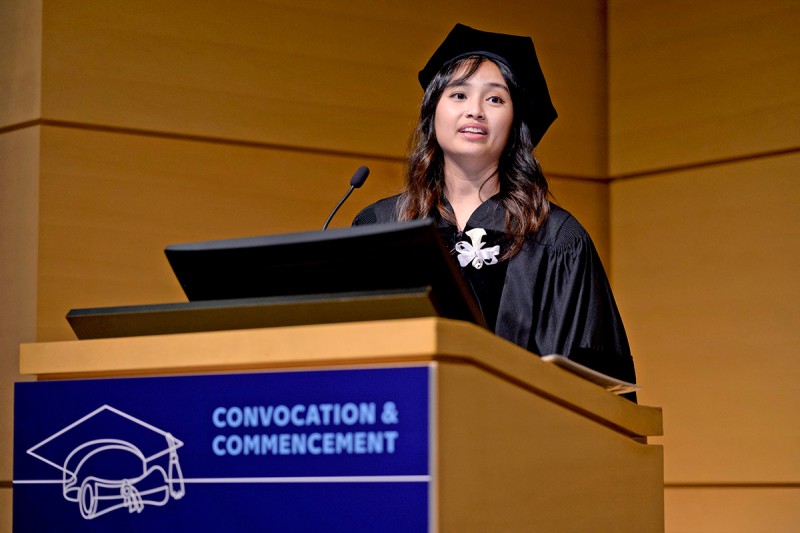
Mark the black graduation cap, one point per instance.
(514, 51)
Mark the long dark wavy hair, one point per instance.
(523, 187)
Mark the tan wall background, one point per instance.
(125, 127)
(705, 124)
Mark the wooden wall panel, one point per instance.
(705, 259)
(732, 510)
(706, 265)
(701, 81)
(530, 446)
(110, 203)
(20, 61)
(338, 77)
(283, 74)
(5, 509)
(19, 227)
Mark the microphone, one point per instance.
(356, 181)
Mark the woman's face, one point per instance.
(474, 116)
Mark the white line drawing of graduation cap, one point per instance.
(110, 460)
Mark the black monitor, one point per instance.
(372, 259)
(375, 272)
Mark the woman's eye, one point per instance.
(495, 100)
(458, 96)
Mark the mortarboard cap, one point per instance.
(103, 424)
(517, 53)
(111, 460)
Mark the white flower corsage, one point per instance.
(474, 252)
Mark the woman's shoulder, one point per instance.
(561, 229)
(380, 212)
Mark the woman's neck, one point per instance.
(468, 188)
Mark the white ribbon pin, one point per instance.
(474, 252)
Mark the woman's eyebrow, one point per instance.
(498, 86)
(466, 81)
(458, 83)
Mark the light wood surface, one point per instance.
(701, 81)
(395, 341)
(315, 75)
(705, 260)
(20, 61)
(732, 510)
(707, 281)
(5, 509)
(19, 229)
(111, 203)
(515, 461)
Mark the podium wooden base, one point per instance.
(518, 444)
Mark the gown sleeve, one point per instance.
(381, 212)
(558, 284)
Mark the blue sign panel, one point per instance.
(325, 450)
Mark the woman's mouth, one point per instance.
(473, 129)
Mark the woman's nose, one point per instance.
(475, 111)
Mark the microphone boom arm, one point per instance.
(335, 209)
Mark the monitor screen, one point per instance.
(365, 259)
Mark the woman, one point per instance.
(533, 268)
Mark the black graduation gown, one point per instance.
(553, 297)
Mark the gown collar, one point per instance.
(490, 215)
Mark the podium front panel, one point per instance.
(332, 450)
(488, 436)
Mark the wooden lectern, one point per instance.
(517, 444)
(313, 383)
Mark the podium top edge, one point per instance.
(324, 346)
